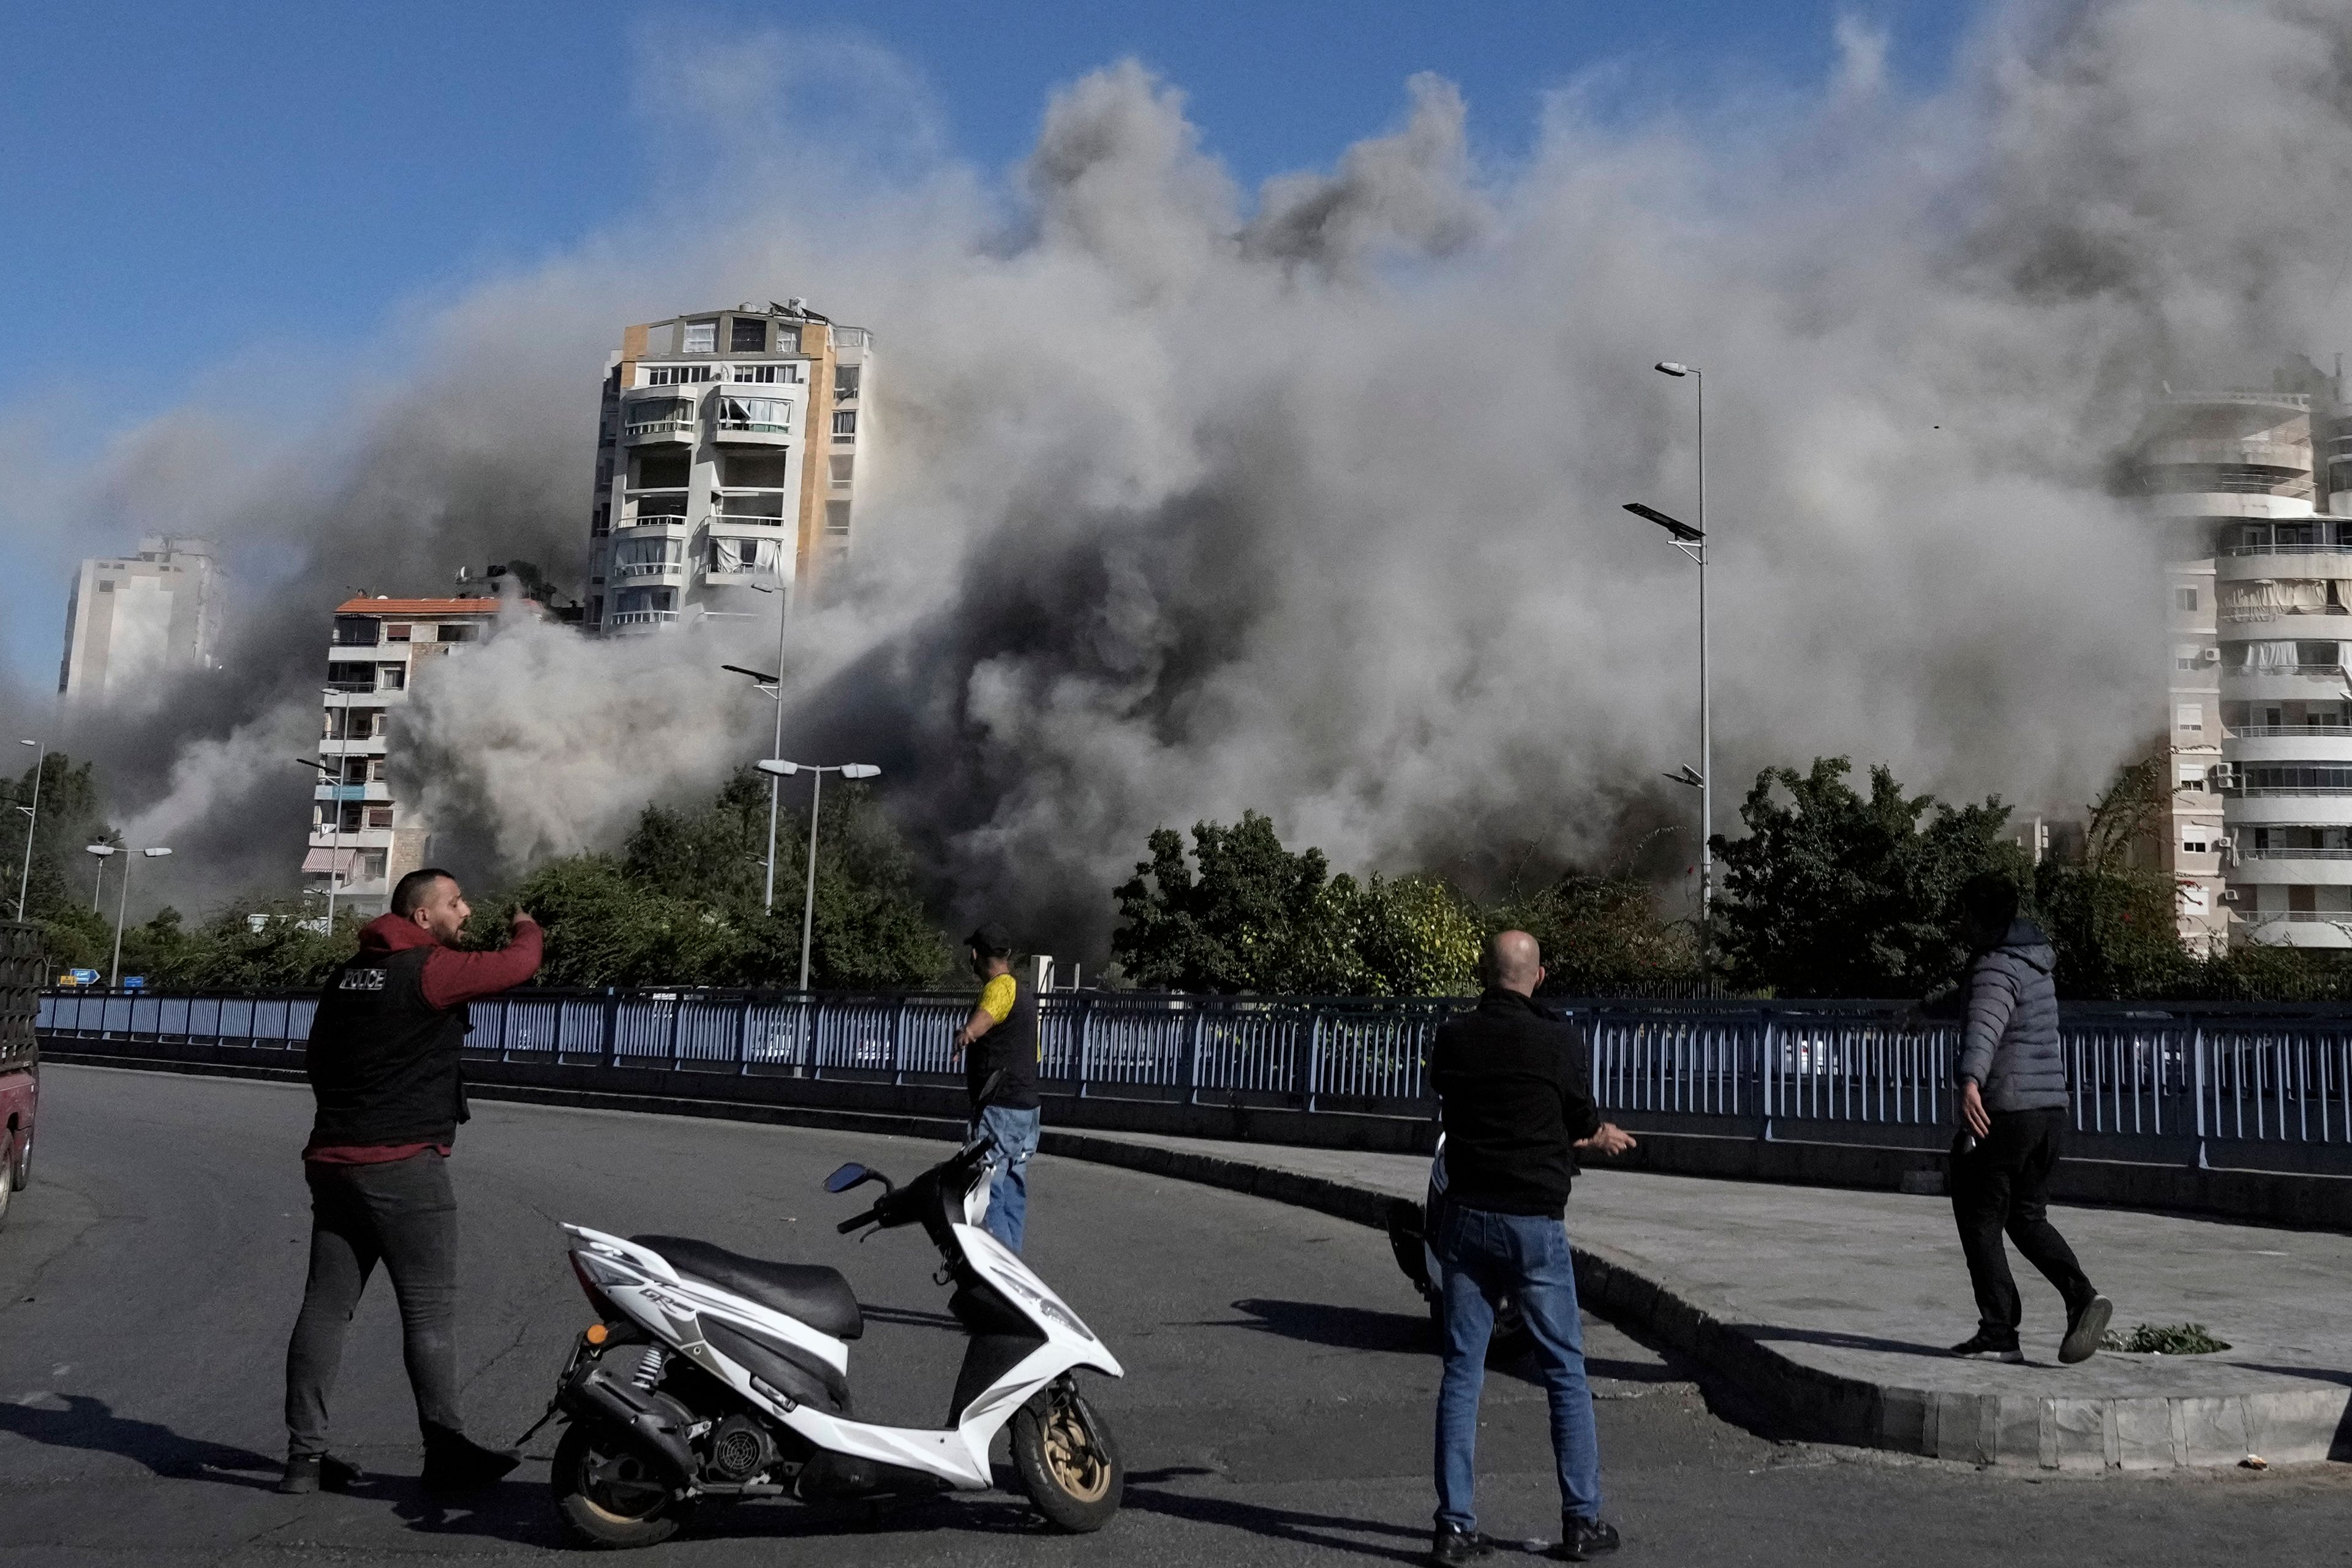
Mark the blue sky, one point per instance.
(188, 182)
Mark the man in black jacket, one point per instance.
(1514, 1082)
(383, 1060)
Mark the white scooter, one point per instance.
(715, 1375)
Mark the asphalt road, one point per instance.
(1277, 1408)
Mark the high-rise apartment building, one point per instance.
(2254, 489)
(131, 618)
(362, 838)
(730, 454)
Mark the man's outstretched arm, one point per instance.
(452, 977)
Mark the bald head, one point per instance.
(1513, 963)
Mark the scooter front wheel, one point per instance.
(608, 1496)
(1067, 1460)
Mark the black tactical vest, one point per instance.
(1012, 1046)
(383, 1064)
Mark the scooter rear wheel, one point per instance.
(608, 1496)
(1067, 1460)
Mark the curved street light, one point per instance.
(1691, 539)
(32, 820)
(97, 883)
(122, 904)
(777, 768)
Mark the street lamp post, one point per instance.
(779, 769)
(122, 905)
(1692, 542)
(774, 687)
(32, 821)
(97, 883)
(334, 854)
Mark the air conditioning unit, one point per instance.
(2229, 895)
(2224, 775)
(2209, 655)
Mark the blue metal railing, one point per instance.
(2201, 1084)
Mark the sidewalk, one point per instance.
(1832, 1306)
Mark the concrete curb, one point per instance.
(2284, 1426)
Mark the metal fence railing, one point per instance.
(2211, 1083)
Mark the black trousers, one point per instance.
(404, 1214)
(2000, 1186)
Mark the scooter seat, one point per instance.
(817, 1295)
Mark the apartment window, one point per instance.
(356, 631)
(836, 518)
(2189, 715)
(106, 586)
(758, 416)
(456, 631)
(845, 424)
(701, 338)
(768, 373)
(679, 374)
(2194, 841)
(392, 677)
(2184, 598)
(745, 555)
(845, 381)
(747, 335)
(396, 632)
(351, 676)
(2184, 656)
(788, 340)
(596, 610)
(379, 816)
(844, 464)
(2191, 776)
(370, 865)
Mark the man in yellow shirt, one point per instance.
(1002, 1035)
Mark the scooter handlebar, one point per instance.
(856, 1222)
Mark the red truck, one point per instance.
(21, 974)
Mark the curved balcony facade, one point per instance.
(2296, 929)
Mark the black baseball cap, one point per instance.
(989, 941)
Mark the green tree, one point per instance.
(681, 903)
(1835, 894)
(2114, 922)
(1254, 918)
(1601, 936)
(57, 892)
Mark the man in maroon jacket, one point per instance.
(382, 1061)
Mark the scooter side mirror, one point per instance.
(850, 1175)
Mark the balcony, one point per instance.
(2252, 451)
(647, 570)
(2288, 731)
(641, 618)
(657, 421)
(2274, 853)
(2298, 927)
(740, 421)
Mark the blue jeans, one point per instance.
(1480, 1256)
(1015, 1132)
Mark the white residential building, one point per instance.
(2255, 488)
(131, 618)
(362, 838)
(731, 451)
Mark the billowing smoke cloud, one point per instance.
(1189, 503)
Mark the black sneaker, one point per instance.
(1452, 1546)
(1582, 1540)
(317, 1471)
(456, 1463)
(2087, 1330)
(1986, 1345)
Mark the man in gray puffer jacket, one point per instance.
(2011, 1088)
